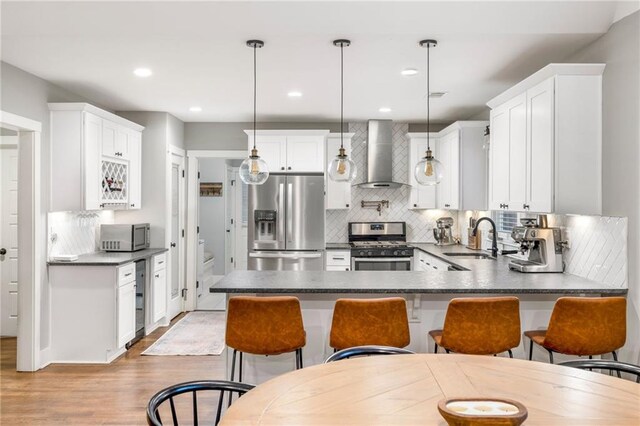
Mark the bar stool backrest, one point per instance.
(265, 325)
(482, 326)
(587, 325)
(364, 322)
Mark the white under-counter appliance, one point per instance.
(115, 237)
(380, 246)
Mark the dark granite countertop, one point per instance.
(482, 277)
(102, 258)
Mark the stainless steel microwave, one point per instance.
(124, 237)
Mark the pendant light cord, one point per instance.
(255, 48)
(428, 101)
(341, 94)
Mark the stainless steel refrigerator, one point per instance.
(286, 224)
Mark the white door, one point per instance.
(176, 232)
(540, 138)
(230, 229)
(305, 154)
(9, 235)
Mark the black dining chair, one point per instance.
(195, 388)
(357, 351)
(605, 364)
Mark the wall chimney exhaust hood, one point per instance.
(380, 156)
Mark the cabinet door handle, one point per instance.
(506, 206)
(347, 205)
(526, 206)
(281, 168)
(157, 275)
(289, 168)
(161, 262)
(447, 205)
(415, 205)
(346, 269)
(173, 244)
(127, 275)
(133, 205)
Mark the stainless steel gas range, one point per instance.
(380, 246)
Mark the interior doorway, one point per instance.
(8, 233)
(220, 220)
(216, 224)
(28, 234)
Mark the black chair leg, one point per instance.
(447, 351)
(550, 357)
(510, 353)
(299, 359)
(436, 349)
(615, 358)
(530, 350)
(233, 375)
(240, 369)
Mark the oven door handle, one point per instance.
(382, 259)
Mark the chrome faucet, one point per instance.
(494, 245)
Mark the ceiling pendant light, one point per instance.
(254, 170)
(342, 168)
(428, 171)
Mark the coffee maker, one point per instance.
(541, 245)
(442, 231)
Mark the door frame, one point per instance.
(227, 194)
(192, 214)
(174, 150)
(31, 238)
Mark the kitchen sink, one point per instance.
(484, 256)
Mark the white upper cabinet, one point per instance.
(95, 159)
(338, 194)
(420, 196)
(291, 151)
(546, 142)
(459, 148)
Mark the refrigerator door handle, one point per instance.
(289, 212)
(286, 255)
(281, 218)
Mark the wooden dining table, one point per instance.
(405, 390)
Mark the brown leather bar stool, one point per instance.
(583, 326)
(264, 326)
(480, 326)
(363, 322)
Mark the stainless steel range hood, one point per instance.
(380, 156)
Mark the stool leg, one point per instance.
(299, 358)
(436, 349)
(615, 358)
(233, 375)
(510, 353)
(240, 369)
(550, 357)
(448, 351)
(530, 350)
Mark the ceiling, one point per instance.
(198, 56)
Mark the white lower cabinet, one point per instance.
(426, 262)
(338, 260)
(126, 313)
(159, 287)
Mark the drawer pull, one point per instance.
(157, 275)
(338, 258)
(161, 262)
(126, 275)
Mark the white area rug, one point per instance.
(198, 333)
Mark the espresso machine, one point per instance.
(442, 231)
(541, 245)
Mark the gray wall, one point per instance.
(212, 212)
(620, 50)
(26, 95)
(231, 136)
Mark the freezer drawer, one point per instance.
(286, 261)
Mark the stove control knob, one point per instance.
(383, 253)
(369, 253)
(395, 253)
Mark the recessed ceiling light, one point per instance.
(195, 109)
(407, 72)
(385, 109)
(142, 72)
(294, 94)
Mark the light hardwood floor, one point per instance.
(114, 394)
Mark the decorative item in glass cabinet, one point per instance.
(254, 170)
(342, 168)
(428, 171)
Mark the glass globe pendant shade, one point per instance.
(253, 170)
(342, 168)
(429, 171)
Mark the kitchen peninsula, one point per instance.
(427, 293)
